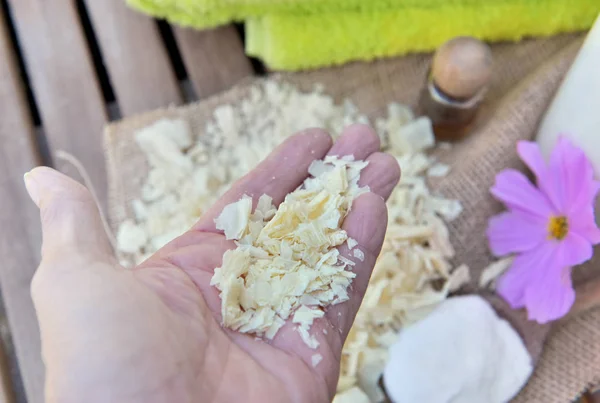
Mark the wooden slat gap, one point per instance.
(257, 65)
(176, 61)
(95, 52)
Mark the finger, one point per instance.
(366, 223)
(381, 175)
(358, 140)
(283, 171)
(71, 222)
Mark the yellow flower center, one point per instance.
(558, 228)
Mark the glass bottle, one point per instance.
(455, 87)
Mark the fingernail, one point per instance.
(32, 187)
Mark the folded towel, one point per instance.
(210, 13)
(294, 41)
(302, 34)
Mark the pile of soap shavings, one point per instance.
(286, 260)
(189, 171)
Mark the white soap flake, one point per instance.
(139, 210)
(414, 137)
(274, 328)
(265, 206)
(316, 359)
(459, 277)
(351, 243)
(352, 395)
(448, 209)
(307, 338)
(359, 254)
(131, 237)
(305, 315)
(490, 274)
(234, 218)
(166, 149)
(438, 170)
(347, 261)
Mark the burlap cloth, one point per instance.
(526, 77)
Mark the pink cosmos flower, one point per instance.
(550, 228)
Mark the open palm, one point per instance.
(153, 333)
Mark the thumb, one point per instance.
(71, 221)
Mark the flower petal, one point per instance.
(515, 190)
(552, 296)
(574, 250)
(572, 172)
(526, 271)
(531, 155)
(583, 223)
(514, 232)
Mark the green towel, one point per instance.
(294, 42)
(302, 34)
(211, 13)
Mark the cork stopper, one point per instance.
(462, 67)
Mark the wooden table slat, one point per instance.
(64, 83)
(135, 57)
(19, 222)
(214, 59)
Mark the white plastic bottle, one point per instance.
(575, 110)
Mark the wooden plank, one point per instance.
(135, 57)
(64, 82)
(19, 224)
(214, 59)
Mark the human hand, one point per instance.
(153, 333)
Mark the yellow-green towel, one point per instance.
(210, 13)
(293, 42)
(302, 34)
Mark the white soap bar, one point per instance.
(461, 353)
(575, 110)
